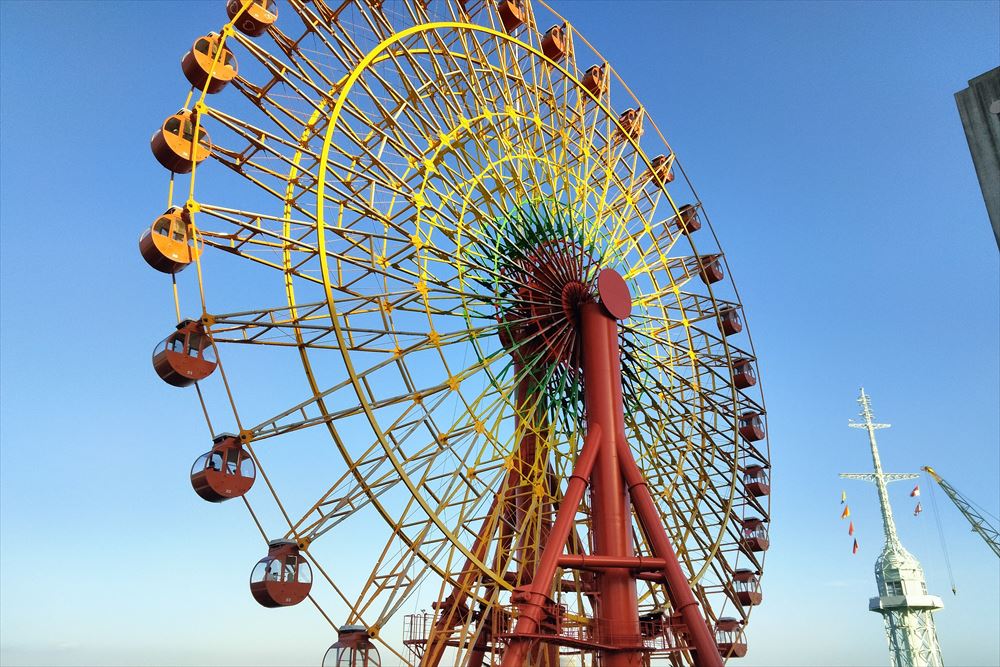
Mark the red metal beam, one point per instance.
(611, 520)
(532, 599)
(705, 650)
(601, 562)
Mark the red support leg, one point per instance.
(706, 651)
(454, 607)
(527, 425)
(612, 522)
(531, 420)
(531, 600)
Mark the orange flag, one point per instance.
(850, 529)
(855, 549)
(846, 513)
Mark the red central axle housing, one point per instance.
(606, 464)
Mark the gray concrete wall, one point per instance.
(979, 107)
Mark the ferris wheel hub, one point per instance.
(614, 294)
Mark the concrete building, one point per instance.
(979, 107)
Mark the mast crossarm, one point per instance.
(886, 476)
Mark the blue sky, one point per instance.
(824, 141)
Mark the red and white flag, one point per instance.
(917, 510)
(915, 492)
(855, 549)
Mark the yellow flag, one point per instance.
(843, 497)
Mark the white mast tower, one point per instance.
(902, 593)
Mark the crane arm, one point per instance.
(979, 524)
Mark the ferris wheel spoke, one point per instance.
(440, 111)
(394, 579)
(376, 477)
(695, 307)
(348, 496)
(259, 139)
(291, 122)
(275, 426)
(441, 549)
(248, 239)
(289, 69)
(257, 221)
(319, 18)
(255, 173)
(707, 428)
(713, 383)
(279, 424)
(226, 244)
(257, 325)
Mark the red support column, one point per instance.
(531, 423)
(617, 606)
(705, 650)
(527, 424)
(531, 600)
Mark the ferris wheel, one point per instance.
(453, 317)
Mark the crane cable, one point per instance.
(944, 545)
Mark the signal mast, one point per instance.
(902, 599)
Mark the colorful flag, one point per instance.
(855, 549)
(915, 492)
(917, 510)
(846, 513)
(850, 529)
(843, 497)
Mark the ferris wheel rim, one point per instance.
(322, 231)
(344, 91)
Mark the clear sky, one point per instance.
(824, 141)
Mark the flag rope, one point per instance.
(944, 546)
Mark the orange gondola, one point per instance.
(174, 145)
(751, 426)
(746, 584)
(754, 535)
(630, 122)
(595, 80)
(256, 19)
(688, 220)
(662, 169)
(168, 244)
(186, 356)
(729, 637)
(511, 14)
(198, 62)
(227, 471)
(755, 481)
(711, 269)
(743, 373)
(554, 43)
(283, 577)
(729, 322)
